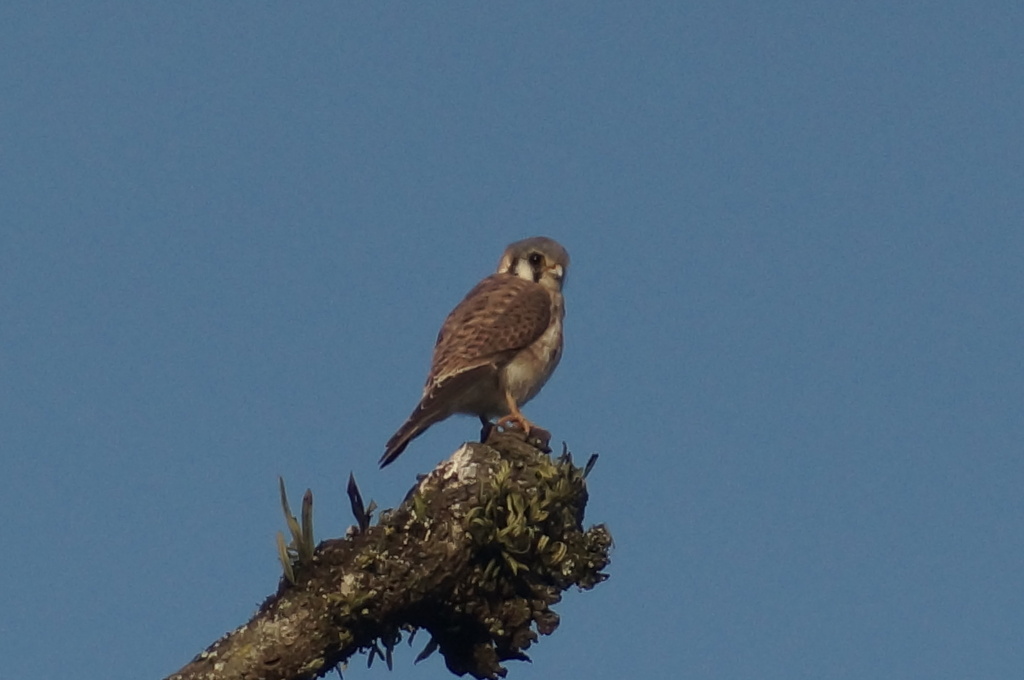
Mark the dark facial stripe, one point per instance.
(536, 262)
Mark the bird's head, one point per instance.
(538, 259)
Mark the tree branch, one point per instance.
(476, 554)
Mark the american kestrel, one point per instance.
(498, 347)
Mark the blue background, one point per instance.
(229, 232)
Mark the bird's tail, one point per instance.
(418, 421)
(435, 406)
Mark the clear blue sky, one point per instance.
(229, 232)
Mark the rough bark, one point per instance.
(476, 555)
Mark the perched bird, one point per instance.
(498, 347)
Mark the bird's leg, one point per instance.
(486, 427)
(514, 416)
(533, 435)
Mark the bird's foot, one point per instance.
(514, 422)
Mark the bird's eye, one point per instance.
(535, 259)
